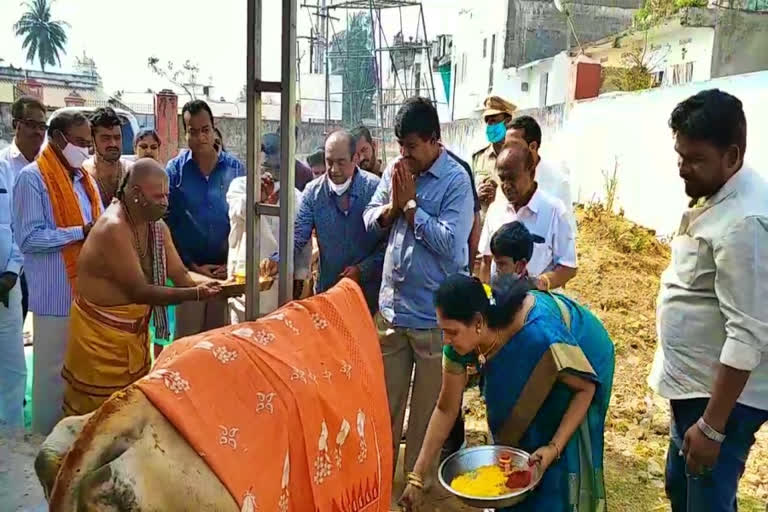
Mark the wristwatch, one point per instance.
(410, 205)
(709, 432)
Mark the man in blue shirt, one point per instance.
(333, 206)
(425, 202)
(198, 213)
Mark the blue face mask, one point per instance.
(495, 132)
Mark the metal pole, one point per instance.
(429, 53)
(253, 151)
(287, 147)
(378, 60)
(327, 45)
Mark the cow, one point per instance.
(286, 413)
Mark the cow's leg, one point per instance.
(55, 447)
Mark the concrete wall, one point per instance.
(630, 130)
(740, 43)
(311, 135)
(537, 30)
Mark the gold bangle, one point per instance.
(557, 449)
(416, 483)
(415, 480)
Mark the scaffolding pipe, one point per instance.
(253, 153)
(429, 53)
(287, 149)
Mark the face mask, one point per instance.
(75, 155)
(495, 132)
(341, 188)
(153, 211)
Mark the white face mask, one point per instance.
(340, 188)
(75, 155)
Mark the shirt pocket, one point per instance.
(688, 258)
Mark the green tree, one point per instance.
(351, 55)
(44, 38)
(654, 12)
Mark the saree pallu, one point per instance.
(290, 412)
(108, 350)
(528, 365)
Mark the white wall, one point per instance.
(632, 128)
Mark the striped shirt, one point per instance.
(41, 241)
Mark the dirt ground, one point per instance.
(620, 265)
(19, 488)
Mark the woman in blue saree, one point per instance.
(548, 367)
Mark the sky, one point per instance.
(121, 35)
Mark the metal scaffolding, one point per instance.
(386, 98)
(395, 56)
(285, 211)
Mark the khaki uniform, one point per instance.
(484, 166)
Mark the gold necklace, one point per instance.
(482, 357)
(136, 242)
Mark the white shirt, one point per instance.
(713, 296)
(544, 215)
(11, 259)
(269, 241)
(15, 159)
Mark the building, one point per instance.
(694, 45)
(55, 90)
(506, 47)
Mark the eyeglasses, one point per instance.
(34, 125)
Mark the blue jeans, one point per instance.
(714, 491)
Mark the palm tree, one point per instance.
(43, 38)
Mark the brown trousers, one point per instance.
(403, 349)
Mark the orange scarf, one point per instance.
(65, 204)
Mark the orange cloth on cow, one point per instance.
(64, 203)
(290, 412)
(107, 351)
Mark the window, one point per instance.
(657, 78)
(485, 46)
(681, 73)
(493, 58)
(543, 86)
